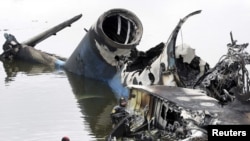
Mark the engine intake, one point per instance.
(114, 34)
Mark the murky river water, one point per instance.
(39, 103)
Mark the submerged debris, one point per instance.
(172, 93)
(12, 49)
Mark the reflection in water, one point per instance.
(94, 98)
(12, 68)
(96, 101)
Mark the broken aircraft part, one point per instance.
(229, 79)
(26, 51)
(171, 65)
(13, 50)
(114, 34)
(162, 68)
(158, 112)
(52, 31)
(105, 45)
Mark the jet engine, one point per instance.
(115, 33)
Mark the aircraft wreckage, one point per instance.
(172, 92)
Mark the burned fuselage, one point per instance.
(182, 113)
(169, 112)
(162, 65)
(108, 53)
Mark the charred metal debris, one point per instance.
(229, 79)
(172, 93)
(179, 97)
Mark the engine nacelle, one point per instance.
(115, 33)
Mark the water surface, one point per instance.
(40, 103)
